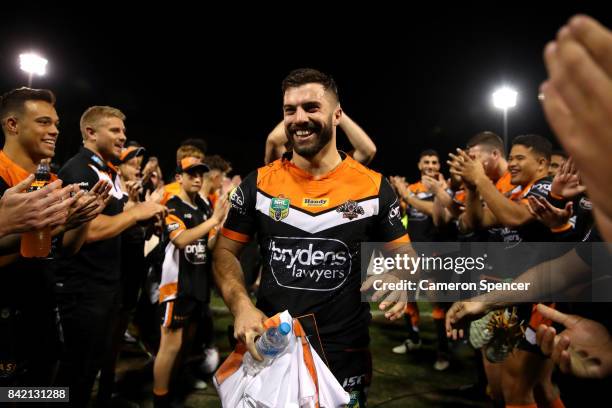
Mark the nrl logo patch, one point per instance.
(350, 210)
(279, 208)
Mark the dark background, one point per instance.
(411, 79)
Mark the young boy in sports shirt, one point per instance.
(185, 285)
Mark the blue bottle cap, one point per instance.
(284, 328)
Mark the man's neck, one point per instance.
(93, 148)
(537, 176)
(324, 162)
(188, 198)
(502, 168)
(206, 189)
(18, 155)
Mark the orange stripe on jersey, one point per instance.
(235, 236)
(12, 173)
(167, 290)
(315, 194)
(213, 199)
(438, 313)
(173, 219)
(170, 190)
(403, 239)
(504, 184)
(460, 196)
(417, 188)
(518, 195)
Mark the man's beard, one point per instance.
(322, 138)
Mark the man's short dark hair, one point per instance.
(429, 152)
(488, 139)
(216, 162)
(538, 144)
(303, 76)
(14, 101)
(559, 152)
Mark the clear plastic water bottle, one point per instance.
(271, 344)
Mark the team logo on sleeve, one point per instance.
(350, 210)
(236, 198)
(394, 213)
(585, 204)
(279, 208)
(173, 226)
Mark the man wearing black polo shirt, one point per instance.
(87, 283)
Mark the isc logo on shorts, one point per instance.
(318, 264)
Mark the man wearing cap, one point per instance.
(87, 284)
(185, 285)
(133, 267)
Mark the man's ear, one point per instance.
(177, 177)
(337, 115)
(11, 124)
(90, 134)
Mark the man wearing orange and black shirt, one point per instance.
(311, 209)
(488, 149)
(420, 199)
(29, 343)
(528, 165)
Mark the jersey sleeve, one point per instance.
(82, 175)
(241, 220)
(388, 226)
(540, 189)
(175, 223)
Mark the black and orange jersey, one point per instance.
(504, 184)
(96, 267)
(22, 280)
(420, 225)
(310, 230)
(170, 190)
(185, 272)
(533, 231)
(28, 319)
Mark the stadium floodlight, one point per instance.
(33, 64)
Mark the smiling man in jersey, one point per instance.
(311, 210)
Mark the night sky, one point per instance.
(411, 80)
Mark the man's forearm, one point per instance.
(193, 234)
(230, 280)
(365, 149)
(507, 212)
(74, 239)
(105, 227)
(9, 244)
(472, 217)
(439, 214)
(545, 280)
(423, 206)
